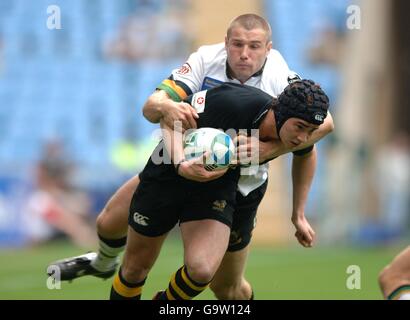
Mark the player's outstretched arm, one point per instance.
(159, 106)
(252, 150)
(303, 170)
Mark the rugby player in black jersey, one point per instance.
(204, 209)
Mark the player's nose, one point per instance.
(244, 52)
(303, 137)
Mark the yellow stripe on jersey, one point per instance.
(123, 290)
(175, 91)
(189, 282)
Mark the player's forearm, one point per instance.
(173, 140)
(303, 170)
(155, 105)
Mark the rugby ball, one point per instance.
(219, 145)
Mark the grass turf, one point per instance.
(275, 273)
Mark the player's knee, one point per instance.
(103, 227)
(109, 222)
(201, 272)
(133, 273)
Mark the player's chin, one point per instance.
(244, 73)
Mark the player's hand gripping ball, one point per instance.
(216, 143)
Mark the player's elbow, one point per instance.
(330, 125)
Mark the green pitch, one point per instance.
(276, 273)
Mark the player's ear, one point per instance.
(269, 46)
(226, 42)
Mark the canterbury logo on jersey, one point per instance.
(140, 219)
(198, 101)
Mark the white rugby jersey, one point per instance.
(207, 68)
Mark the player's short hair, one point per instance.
(250, 21)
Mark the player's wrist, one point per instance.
(163, 104)
(177, 166)
(297, 215)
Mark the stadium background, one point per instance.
(82, 88)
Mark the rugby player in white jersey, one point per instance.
(246, 57)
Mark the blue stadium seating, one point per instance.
(56, 83)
